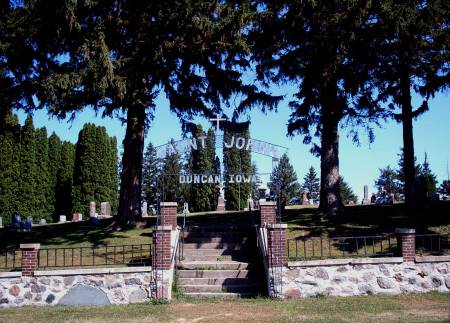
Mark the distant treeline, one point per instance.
(45, 177)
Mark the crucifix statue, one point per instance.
(221, 186)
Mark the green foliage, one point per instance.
(203, 197)
(346, 192)
(43, 207)
(390, 183)
(256, 185)
(151, 174)
(54, 163)
(64, 180)
(283, 181)
(171, 170)
(9, 166)
(95, 169)
(236, 162)
(27, 179)
(445, 187)
(311, 184)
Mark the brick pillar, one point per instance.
(29, 258)
(162, 262)
(406, 243)
(268, 211)
(276, 245)
(168, 214)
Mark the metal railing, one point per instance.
(309, 248)
(10, 259)
(113, 255)
(432, 244)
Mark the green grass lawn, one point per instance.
(431, 307)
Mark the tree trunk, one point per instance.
(330, 197)
(408, 141)
(129, 213)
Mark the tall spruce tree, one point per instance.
(27, 178)
(171, 170)
(427, 180)
(9, 166)
(311, 184)
(121, 54)
(283, 182)
(54, 163)
(64, 180)
(411, 43)
(43, 191)
(151, 175)
(321, 48)
(389, 182)
(346, 192)
(236, 162)
(256, 183)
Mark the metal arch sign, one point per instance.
(240, 143)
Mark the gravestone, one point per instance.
(366, 195)
(105, 210)
(62, 219)
(305, 200)
(144, 208)
(83, 295)
(43, 221)
(76, 217)
(92, 209)
(1, 222)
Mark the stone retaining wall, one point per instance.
(349, 277)
(80, 287)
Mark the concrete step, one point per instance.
(219, 258)
(229, 227)
(222, 295)
(214, 234)
(224, 239)
(215, 274)
(220, 288)
(219, 281)
(215, 252)
(216, 265)
(213, 245)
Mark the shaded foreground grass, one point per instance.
(431, 307)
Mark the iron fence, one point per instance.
(10, 259)
(114, 255)
(310, 248)
(432, 244)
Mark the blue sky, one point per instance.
(358, 164)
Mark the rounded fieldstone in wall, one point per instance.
(138, 296)
(321, 273)
(83, 295)
(14, 290)
(447, 281)
(69, 280)
(436, 282)
(385, 283)
(293, 293)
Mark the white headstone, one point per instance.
(92, 209)
(105, 209)
(366, 195)
(43, 221)
(1, 222)
(144, 209)
(62, 219)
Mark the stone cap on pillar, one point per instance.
(30, 245)
(162, 228)
(168, 204)
(277, 226)
(405, 231)
(268, 203)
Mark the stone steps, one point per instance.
(218, 262)
(218, 274)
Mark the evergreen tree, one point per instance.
(311, 184)
(171, 171)
(9, 166)
(151, 175)
(27, 178)
(43, 191)
(123, 54)
(113, 171)
(321, 48)
(388, 182)
(444, 189)
(54, 163)
(427, 181)
(256, 184)
(410, 41)
(236, 162)
(346, 192)
(401, 173)
(283, 181)
(64, 180)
